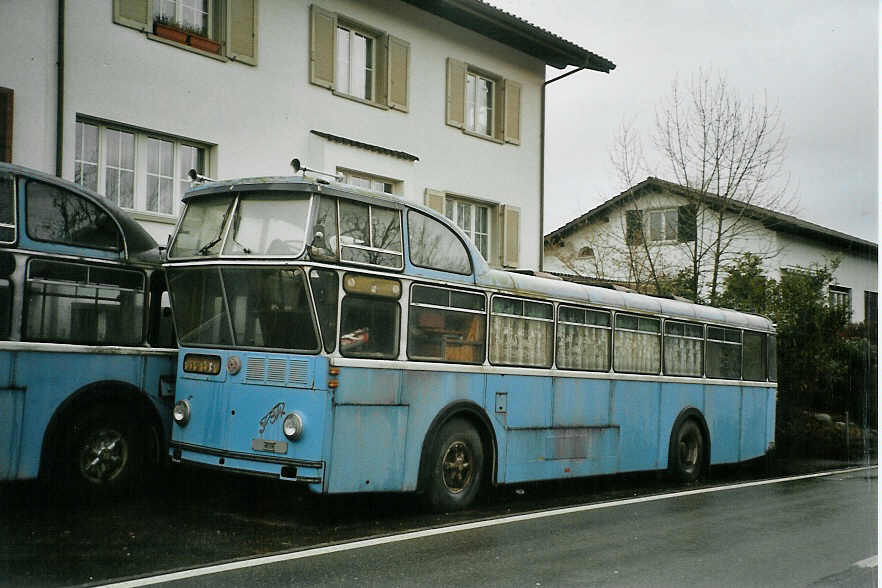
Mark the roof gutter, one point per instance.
(542, 166)
(59, 101)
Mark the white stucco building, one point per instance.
(439, 102)
(595, 244)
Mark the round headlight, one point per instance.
(181, 412)
(292, 426)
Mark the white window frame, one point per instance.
(452, 206)
(471, 122)
(376, 183)
(840, 296)
(140, 189)
(338, 74)
(178, 17)
(647, 229)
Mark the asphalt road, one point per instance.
(792, 533)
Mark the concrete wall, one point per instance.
(259, 117)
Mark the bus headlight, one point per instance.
(181, 412)
(292, 426)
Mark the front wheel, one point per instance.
(687, 455)
(455, 472)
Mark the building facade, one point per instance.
(437, 102)
(607, 243)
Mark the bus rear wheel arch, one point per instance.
(689, 450)
(455, 464)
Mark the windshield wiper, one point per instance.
(220, 233)
(204, 249)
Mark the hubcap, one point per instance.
(457, 467)
(103, 456)
(689, 451)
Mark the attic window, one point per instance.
(586, 252)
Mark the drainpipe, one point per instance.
(542, 167)
(59, 105)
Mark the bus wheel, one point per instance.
(105, 452)
(456, 472)
(687, 454)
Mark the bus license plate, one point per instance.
(271, 446)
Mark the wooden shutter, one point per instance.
(434, 200)
(456, 71)
(6, 122)
(512, 112)
(398, 68)
(687, 229)
(499, 109)
(242, 31)
(633, 227)
(133, 13)
(322, 40)
(511, 242)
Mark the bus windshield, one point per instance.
(244, 307)
(263, 223)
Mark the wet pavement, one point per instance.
(196, 517)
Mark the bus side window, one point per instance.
(369, 317)
(522, 332)
(7, 267)
(446, 325)
(723, 353)
(58, 216)
(637, 347)
(7, 208)
(324, 292)
(755, 356)
(434, 246)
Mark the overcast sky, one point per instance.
(816, 59)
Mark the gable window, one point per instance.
(494, 229)
(357, 61)
(222, 29)
(370, 181)
(663, 225)
(666, 225)
(136, 170)
(586, 252)
(483, 103)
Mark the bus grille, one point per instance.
(279, 371)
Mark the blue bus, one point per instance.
(87, 359)
(355, 342)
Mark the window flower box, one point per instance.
(172, 31)
(203, 43)
(169, 32)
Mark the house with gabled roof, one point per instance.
(662, 220)
(435, 101)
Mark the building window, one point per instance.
(668, 225)
(586, 252)
(483, 103)
(840, 296)
(473, 219)
(354, 71)
(189, 15)
(479, 104)
(663, 225)
(136, 170)
(348, 58)
(370, 182)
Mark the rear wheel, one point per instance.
(455, 472)
(106, 452)
(687, 454)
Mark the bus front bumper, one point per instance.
(295, 470)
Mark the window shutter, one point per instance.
(456, 71)
(6, 120)
(322, 40)
(511, 242)
(633, 227)
(499, 110)
(512, 112)
(242, 31)
(398, 59)
(133, 13)
(687, 229)
(434, 200)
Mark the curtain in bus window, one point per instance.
(369, 327)
(754, 356)
(526, 340)
(583, 338)
(199, 309)
(75, 303)
(270, 308)
(723, 353)
(684, 348)
(637, 345)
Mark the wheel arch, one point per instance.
(693, 413)
(105, 392)
(474, 414)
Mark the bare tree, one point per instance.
(729, 154)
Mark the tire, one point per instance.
(106, 453)
(455, 470)
(687, 454)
